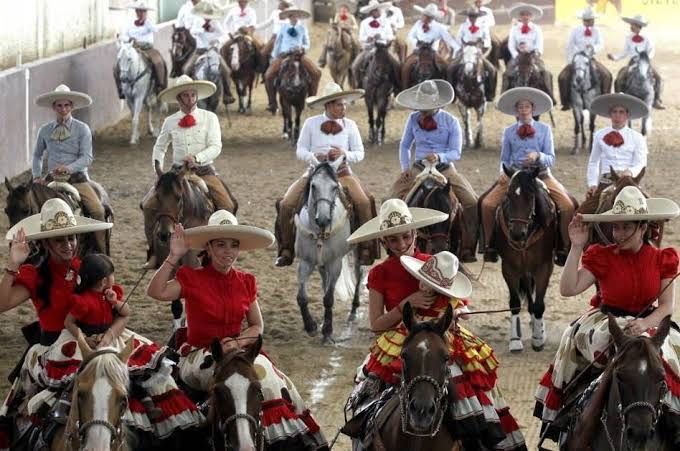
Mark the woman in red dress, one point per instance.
(630, 273)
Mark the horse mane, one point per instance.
(321, 167)
(109, 366)
(425, 326)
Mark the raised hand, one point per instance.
(19, 250)
(578, 231)
(178, 246)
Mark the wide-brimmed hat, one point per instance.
(541, 101)
(603, 103)
(54, 220)
(472, 11)
(301, 13)
(440, 273)
(428, 95)
(333, 91)
(63, 92)
(207, 9)
(631, 205)
(396, 217)
(431, 10)
(224, 225)
(203, 88)
(517, 9)
(637, 19)
(141, 4)
(587, 14)
(374, 4)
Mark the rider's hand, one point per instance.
(190, 161)
(406, 175)
(229, 344)
(40, 181)
(19, 250)
(178, 245)
(637, 327)
(106, 340)
(111, 296)
(531, 158)
(432, 158)
(320, 156)
(578, 231)
(420, 299)
(626, 172)
(591, 191)
(61, 170)
(461, 313)
(335, 153)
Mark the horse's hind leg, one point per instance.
(591, 120)
(578, 127)
(136, 110)
(304, 271)
(332, 273)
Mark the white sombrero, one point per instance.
(203, 88)
(374, 4)
(428, 95)
(141, 4)
(432, 10)
(637, 19)
(472, 11)
(54, 220)
(333, 91)
(485, 2)
(396, 217)
(631, 205)
(603, 103)
(541, 101)
(299, 12)
(206, 9)
(224, 225)
(63, 92)
(440, 273)
(517, 9)
(587, 14)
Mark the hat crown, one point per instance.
(222, 217)
(630, 201)
(56, 214)
(183, 80)
(62, 88)
(393, 213)
(441, 269)
(330, 89)
(431, 9)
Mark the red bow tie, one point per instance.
(331, 127)
(613, 138)
(525, 28)
(427, 123)
(206, 25)
(139, 22)
(526, 131)
(343, 16)
(588, 32)
(637, 38)
(426, 27)
(473, 28)
(242, 13)
(374, 24)
(187, 121)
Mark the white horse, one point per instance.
(208, 68)
(639, 83)
(585, 86)
(138, 89)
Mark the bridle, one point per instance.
(428, 237)
(220, 437)
(405, 394)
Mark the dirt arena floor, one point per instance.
(259, 166)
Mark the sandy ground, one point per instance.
(259, 166)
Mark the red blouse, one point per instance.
(92, 308)
(629, 280)
(52, 317)
(216, 303)
(391, 279)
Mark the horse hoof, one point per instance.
(312, 329)
(536, 347)
(352, 317)
(327, 340)
(574, 151)
(516, 345)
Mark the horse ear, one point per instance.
(253, 350)
(445, 321)
(407, 316)
(157, 167)
(535, 172)
(613, 173)
(85, 348)
(336, 164)
(662, 331)
(8, 185)
(615, 331)
(127, 351)
(508, 171)
(216, 350)
(637, 178)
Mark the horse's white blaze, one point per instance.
(99, 437)
(423, 347)
(642, 367)
(238, 386)
(518, 191)
(234, 57)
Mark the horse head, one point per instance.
(620, 180)
(128, 61)
(208, 65)
(424, 373)
(525, 207)
(472, 62)
(581, 66)
(640, 63)
(183, 43)
(169, 192)
(426, 65)
(322, 191)
(19, 205)
(527, 68)
(236, 398)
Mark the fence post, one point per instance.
(27, 116)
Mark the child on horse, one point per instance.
(348, 24)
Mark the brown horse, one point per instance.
(426, 67)
(380, 81)
(340, 50)
(183, 46)
(293, 85)
(242, 58)
(623, 412)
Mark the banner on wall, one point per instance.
(500, 8)
(658, 12)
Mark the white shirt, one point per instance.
(312, 140)
(465, 36)
(631, 155)
(367, 31)
(205, 38)
(533, 40)
(436, 32)
(141, 34)
(578, 41)
(203, 140)
(631, 48)
(396, 18)
(274, 21)
(487, 20)
(185, 18)
(235, 19)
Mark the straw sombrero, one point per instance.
(374, 4)
(396, 217)
(440, 273)
(206, 9)
(63, 92)
(587, 14)
(54, 220)
(637, 19)
(299, 12)
(631, 205)
(541, 101)
(141, 4)
(428, 95)
(517, 9)
(603, 103)
(432, 10)
(203, 88)
(333, 91)
(223, 225)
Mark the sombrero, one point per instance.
(428, 95)
(473, 11)
(440, 273)
(631, 205)
(207, 9)
(333, 91)
(396, 217)
(517, 9)
(603, 103)
(374, 4)
(431, 10)
(301, 13)
(637, 19)
(141, 4)
(54, 220)
(541, 101)
(203, 88)
(63, 92)
(484, 2)
(223, 225)
(587, 14)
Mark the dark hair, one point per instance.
(93, 268)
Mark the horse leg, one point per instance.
(541, 279)
(382, 113)
(371, 122)
(578, 121)
(304, 271)
(136, 111)
(358, 275)
(250, 96)
(296, 131)
(513, 283)
(479, 137)
(332, 270)
(591, 120)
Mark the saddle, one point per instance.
(430, 171)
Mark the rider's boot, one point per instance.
(658, 104)
(322, 58)
(490, 255)
(286, 235)
(271, 95)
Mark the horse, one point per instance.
(380, 82)
(469, 83)
(426, 67)
(242, 59)
(423, 395)
(207, 68)
(526, 73)
(639, 83)
(525, 236)
(136, 78)
(293, 87)
(624, 409)
(339, 47)
(585, 86)
(183, 46)
(322, 228)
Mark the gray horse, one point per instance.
(585, 86)
(208, 68)
(322, 229)
(639, 83)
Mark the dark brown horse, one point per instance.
(426, 67)
(242, 58)
(293, 85)
(380, 81)
(526, 71)
(183, 46)
(623, 411)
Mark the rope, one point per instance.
(134, 288)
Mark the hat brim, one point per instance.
(142, 7)
(422, 217)
(425, 12)
(351, 96)
(659, 209)
(31, 226)
(472, 14)
(79, 99)
(209, 16)
(535, 11)
(634, 21)
(603, 103)
(203, 88)
(301, 13)
(368, 8)
(407, 98)
(249, 237)
(541, 101)
(461, 287)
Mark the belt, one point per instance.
(48, 338)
